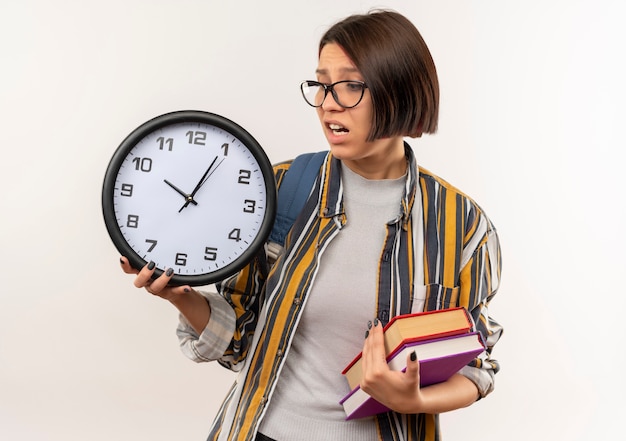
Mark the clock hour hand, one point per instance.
(179, 191)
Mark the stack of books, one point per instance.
(443, 340)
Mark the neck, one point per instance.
(387, 160)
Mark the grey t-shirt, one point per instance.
(305, 404)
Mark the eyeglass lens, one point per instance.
(346, 93)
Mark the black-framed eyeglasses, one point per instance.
(347, 93)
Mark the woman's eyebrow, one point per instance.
(342, 70)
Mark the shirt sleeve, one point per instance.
(217, 335)
(480, 278)
(483, 379)
(234, 313)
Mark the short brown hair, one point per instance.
(397, 67)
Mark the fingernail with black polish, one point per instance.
(375, 322)
(151, 265)
(367, 333)
(169, 272)
(121, 261)
(369, 325)
(186, 289)
(413, 356)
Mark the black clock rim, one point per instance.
(176, 117)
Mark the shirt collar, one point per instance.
(331, 196)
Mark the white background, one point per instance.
(532, 114)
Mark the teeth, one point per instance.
(337, 129)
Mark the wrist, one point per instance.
(194, 307)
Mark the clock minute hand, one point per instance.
(179, 191)
(206, 178)
(200, 183)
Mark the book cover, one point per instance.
(415, 327)
(439, 359)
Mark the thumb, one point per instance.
(413, 365)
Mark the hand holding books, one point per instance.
(442, 340)
(397, 389)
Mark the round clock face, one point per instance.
(191, 191)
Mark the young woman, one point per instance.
(379, 236)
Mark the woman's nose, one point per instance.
(330, 103)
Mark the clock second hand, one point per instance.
(209, 175)
(179, 191)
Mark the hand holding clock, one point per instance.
(188, 301)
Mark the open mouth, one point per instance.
(338, 130)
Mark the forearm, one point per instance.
(457, 392)
(195, 308)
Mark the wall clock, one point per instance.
(192, 191)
